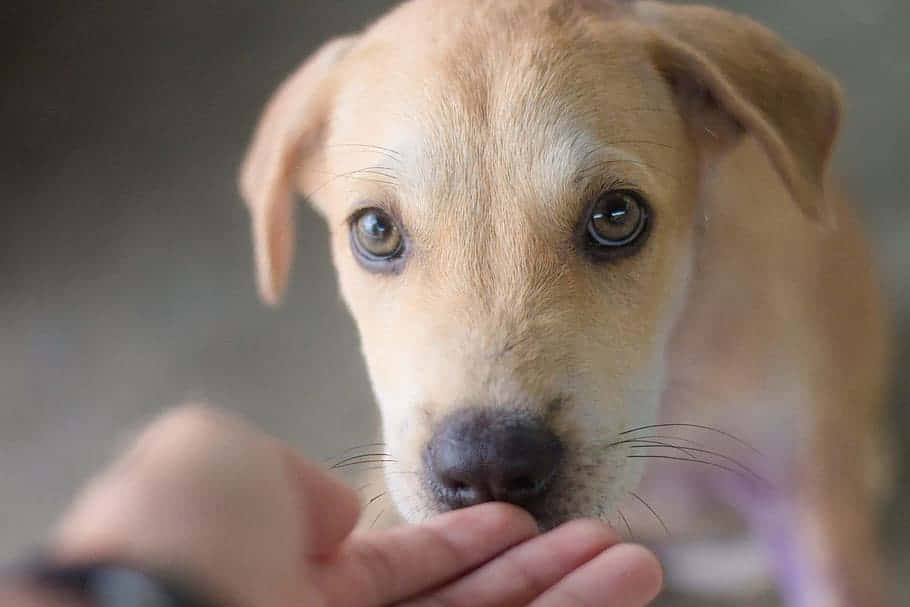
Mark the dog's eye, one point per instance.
(617, 219)
(375, 236)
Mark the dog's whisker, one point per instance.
(385, 171)
(689, 449)
(353, 458)
(365, 456)
(379, 172)
(644, 442)
(353, 449)
(667, 437)
(364, 446)
(367, 169)
(371, 451)
(639, 142)
(342, 176)
(653, 512)
(368, 147)
(368, 469)
(364, 486)
(626, 523)
(740, 467)
(648, 444)
(653, 167)
(373, 176)
(693, 426)
(736, 471)
(363, 463)
(387, 467)
(376, 520)
(376, 498)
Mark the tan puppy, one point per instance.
(559, 223)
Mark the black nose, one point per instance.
(485, 455)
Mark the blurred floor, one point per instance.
(124, 250)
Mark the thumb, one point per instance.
(211, 498)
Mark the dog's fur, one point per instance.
(485, 127)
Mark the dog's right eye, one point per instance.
(616, 224)
(376, 239)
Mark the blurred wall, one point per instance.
(125, 272)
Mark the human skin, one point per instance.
(250, 523)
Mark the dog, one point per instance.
(582, 236)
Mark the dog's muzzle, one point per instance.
(484, 455)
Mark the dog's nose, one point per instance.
(485, 455)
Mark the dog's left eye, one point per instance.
(376, 239)
(617, 219)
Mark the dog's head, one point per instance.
(512, 188)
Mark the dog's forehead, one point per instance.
(425, 16)
(479, 114)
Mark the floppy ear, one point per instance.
(732, 76)
(288, 132)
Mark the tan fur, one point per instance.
(485, 128)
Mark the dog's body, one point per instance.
(480, 135)
(782, 345)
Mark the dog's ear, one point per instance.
(731, 75)
(289, 130)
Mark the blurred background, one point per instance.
(126, 281)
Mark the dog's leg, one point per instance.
(824, 554)
(819, 524)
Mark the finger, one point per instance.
(378, 568)
(329, 509)
(623, 576)
(526, 571)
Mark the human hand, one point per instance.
(250, 523)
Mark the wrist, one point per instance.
(46, 583)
